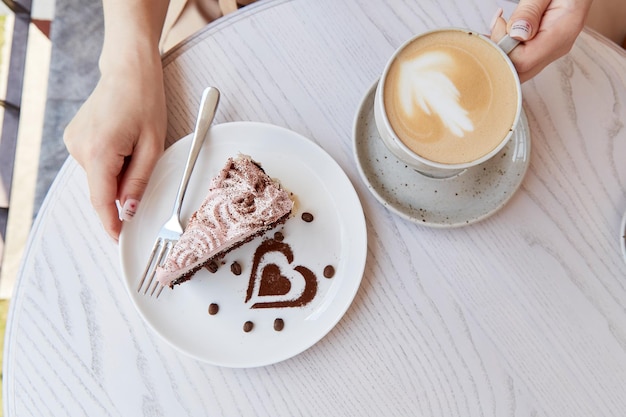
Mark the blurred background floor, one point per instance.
(29, 134)
(64, 43)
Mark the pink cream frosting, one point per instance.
(242, 201)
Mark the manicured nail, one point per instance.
(495, 18)
(129, 209)
(521, 30)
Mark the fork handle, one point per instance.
(206, 113)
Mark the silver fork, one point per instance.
(172, 229)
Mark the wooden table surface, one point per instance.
(521, 314)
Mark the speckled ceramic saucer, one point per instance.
(467, 198)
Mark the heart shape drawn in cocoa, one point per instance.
(273, 282)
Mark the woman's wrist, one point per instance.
(129, 57)
(132, 29)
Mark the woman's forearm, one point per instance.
(132, 29)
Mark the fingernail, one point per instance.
(495, 18)
(129, 209)
(521, 30)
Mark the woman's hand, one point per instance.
(547, 29)
(118, 135)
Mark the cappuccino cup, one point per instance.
(448, 100)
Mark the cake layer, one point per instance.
(242, 203)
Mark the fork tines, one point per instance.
(163, 247)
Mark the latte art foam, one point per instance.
(450, 97)
(424, 85)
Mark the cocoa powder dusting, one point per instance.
(271, 280)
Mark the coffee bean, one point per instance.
(279, 236)
(213, 309)
(247, 326)
(235, 268)
(279, 325)
(307, 217)
(212, 267)
(329, 271)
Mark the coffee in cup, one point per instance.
(447, 100)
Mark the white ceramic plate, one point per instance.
(467, 198)
(337, 236)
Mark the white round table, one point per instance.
(520, 314)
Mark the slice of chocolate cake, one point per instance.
(243, 202)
